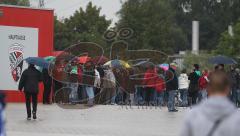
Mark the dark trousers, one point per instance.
(193, 97)
(46, 93)
(28, 97)
(149, 92)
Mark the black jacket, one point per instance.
(171, 80)
(29, 80)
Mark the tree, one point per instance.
(83, 26)
(153, 23)
(16, 2)
(202, 59)
(62, 35)
(214, 17)
(230, 45)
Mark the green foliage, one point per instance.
(16, 2)
(230, 45)
(214, 18)
(202, 60)
(83, 26)
(153, 23)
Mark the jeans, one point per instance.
(238, 96)
(184, 97)
(73, 97)
(160, 98)
(171, 100)
(149, 95)
(139, 95)
(202, 95)
(90, 92)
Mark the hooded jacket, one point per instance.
(200, 120)
(29, 80)
(171, 80)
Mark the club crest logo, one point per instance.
(16, 60)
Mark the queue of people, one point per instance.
(152, 86)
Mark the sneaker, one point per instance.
(175, 110)
(28, 118)
(34, 115)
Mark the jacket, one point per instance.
(29, 80)
(194, 78)
(183, 82)
(109, 80)
(171, 80)
(160, 85)
(203, 81)
(200, 120)
(233, 78)
(150, 78)
(97, 81)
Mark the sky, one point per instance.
(65, 8)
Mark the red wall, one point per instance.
(36, 18)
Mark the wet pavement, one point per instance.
(103, 120)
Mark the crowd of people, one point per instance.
(148, 85)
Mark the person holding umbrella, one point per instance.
(29, 83)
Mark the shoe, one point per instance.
(175, 110)
(34, 115)
(28, 118)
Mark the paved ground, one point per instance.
(97, 121)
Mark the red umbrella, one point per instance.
(99, 60)
(83, 59)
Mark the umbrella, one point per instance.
(117, 63)
(83, 59)
(37, 61)
(144, 63)
(49, 58)
(222, 60)
(164, 66)
(99, 60)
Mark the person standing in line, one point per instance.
(238, 86)
(171, 87)
(193, 86)
(203, 81)
(216, 116)
(183, 84)
(29, 82)
(47, 82)
(234, 85)
(97, 84)
(88, 81)
(109, 87)
(160, 88)
(149, 83)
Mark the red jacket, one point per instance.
(80, 72)
(160, 85)
(150, 77)
(203, 81)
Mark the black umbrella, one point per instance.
(222, 60)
